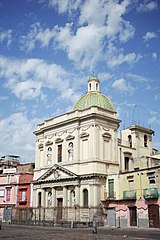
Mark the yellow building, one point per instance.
(136, 194)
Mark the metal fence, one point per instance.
(51, 217)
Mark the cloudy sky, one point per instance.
(48, 50)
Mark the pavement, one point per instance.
(22, 232)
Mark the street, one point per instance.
(19, 232)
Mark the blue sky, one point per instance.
(48, 50)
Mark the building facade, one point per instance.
(15, 185)
(134, 191)
(81, 165)
(74, 153)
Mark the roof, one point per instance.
(94, 99)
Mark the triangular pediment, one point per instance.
(56, 172)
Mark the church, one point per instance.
(81, 163)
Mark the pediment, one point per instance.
(56, 172)
(70, 137)
(49, 143)
(58, 140)
(84, 135)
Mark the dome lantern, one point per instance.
(94, 97)
(93, 84)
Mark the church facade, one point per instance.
(74, 154)
(79, 161)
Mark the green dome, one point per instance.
(93, 78)
(94, 99)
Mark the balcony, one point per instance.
(129, 195)
(150, 193)
(110, 195)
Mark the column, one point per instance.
(54, 197)
(43, 197)
(65, 197)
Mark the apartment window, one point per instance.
(85, 198)
(151, 180)
(111, 188)
(60, 153)
(131, 185)
(1, 193)
(23, 195)
(49, 156)
(8, 194)
(126, 163)
(145, 140)
(130, 140)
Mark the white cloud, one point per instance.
(85, 47)
(126, 31)
(64, 5)
(100, 23)
(154, 56)
(116, 57)
(147, 6)
(37, 34)
(16, 135)
(149, 36)
(6, 35)
(122, 85)
(136, 77)
(26, 78)
(89, 13)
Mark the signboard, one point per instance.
(9, 170)
(1, 193)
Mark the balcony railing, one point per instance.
(150, 193)
(110, 195)
(129, 195)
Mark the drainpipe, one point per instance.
(120, 160)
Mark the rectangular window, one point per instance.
(1, 193)
(85, 149)
(8, 194)
(126, 164)
(131, 185)
(152, 180)
(23, 195)
(111, 188)
(60, 153)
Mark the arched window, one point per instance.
(85, 198)
(72, 198)
(130, 140)
(49, 156)
(96, 86)
(70, 151)
(39, 199)
(90, 86)
(145, 140)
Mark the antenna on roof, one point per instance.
(138, 121)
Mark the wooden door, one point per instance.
(153, 212)
(59, 209)
(133, 216)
